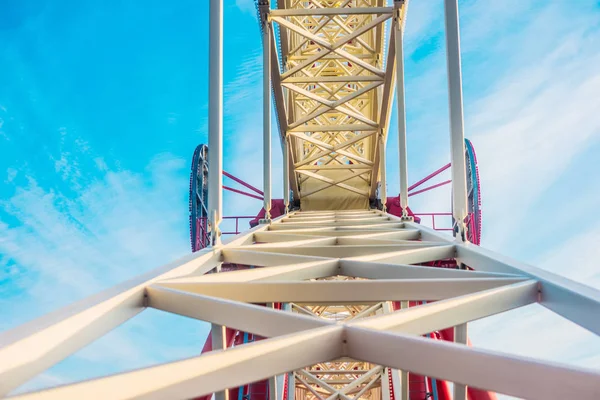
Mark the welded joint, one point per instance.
(264, 9)
(215, 232)
(398, 6)
(344, 344)
(146, 299)
(405, 217)
(459, 229)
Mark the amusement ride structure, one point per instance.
(337, 291)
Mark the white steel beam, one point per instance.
(499, 372)
(218, 337)
(401, 112)
(33, 347)
(575, 301)
(375, 251)
(297, 12)
(454, 311)
(263, 321)
(376, 270)
(311, 270)
(460, 337)
(277, 237)
(215, 119)
(353, 291)
(210, 373)
(286, 175)
(382, 173)
(457, 134)
(413, 256)
(267, 115)
(265, 259)
(334, 128)
(333, 79)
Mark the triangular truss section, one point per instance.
(340, 333)
(333, 92)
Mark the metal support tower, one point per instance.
(457, 148)
(215, 119)
(398, 29)
(457, 134)
(286, 179)
(264, 8)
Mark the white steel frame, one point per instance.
(335, 271)
(334, 92)
(372, 256)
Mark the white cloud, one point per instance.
(120, 219)
(11, 174)
(532, 126)
(530, 99)
(2, 122)
(57, 249)
(246, 6)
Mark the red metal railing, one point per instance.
(428, 177)
(433, 215)
(237, 224)
(206, 233)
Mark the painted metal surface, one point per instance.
(337, 346)
(334, 94)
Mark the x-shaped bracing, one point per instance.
(319, 50)
(376, 251)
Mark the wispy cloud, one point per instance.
(536, 120)
(246, 6)
(57, 249)
(3, 114)
(530, 82)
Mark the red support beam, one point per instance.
(241, 182)
(242, 192)
(428, 177)
(430, 187)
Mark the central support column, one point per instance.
(215, 120)
(286, 178)
(219, 335)
(402, 152)
(404, 385)
(266, 28)
(383, 188)
(457, 148)
(457, 134)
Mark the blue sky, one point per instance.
(103, 103)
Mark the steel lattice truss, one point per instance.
(334, 92)
(338, 272)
